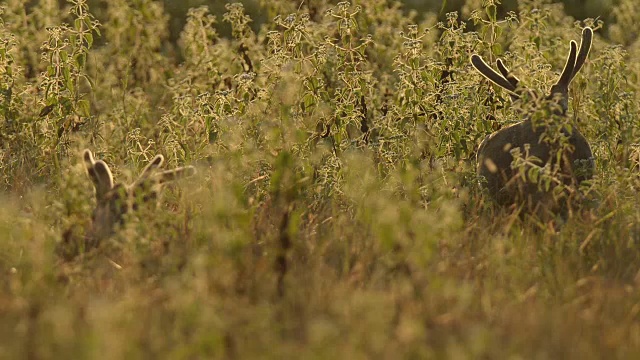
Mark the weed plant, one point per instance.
(336, 211)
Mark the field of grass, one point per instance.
(336, 211)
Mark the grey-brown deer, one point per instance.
(114, 200)
(566, 151)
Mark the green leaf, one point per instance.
(83, 108)
(213, 136)
(89, 39)
(537, 40)
(81, 60)
(46, 110)
(533, 175)
(491, 12)
(66, 73)
(496, 49)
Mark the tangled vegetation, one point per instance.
(336, 210)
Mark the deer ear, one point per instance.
(147, 189)
(567, 73)
(155, 163)
(87, 156)
(99, 173)
(103, 173)
(175, 174)
(506, 73)
(583, 53)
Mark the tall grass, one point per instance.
(336, 211)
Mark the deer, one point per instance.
(115, 200)
(508, 158)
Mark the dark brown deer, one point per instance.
(565, 152)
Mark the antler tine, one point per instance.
(567, 72)
(175, 174)
(585, 47)
(491, 74)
